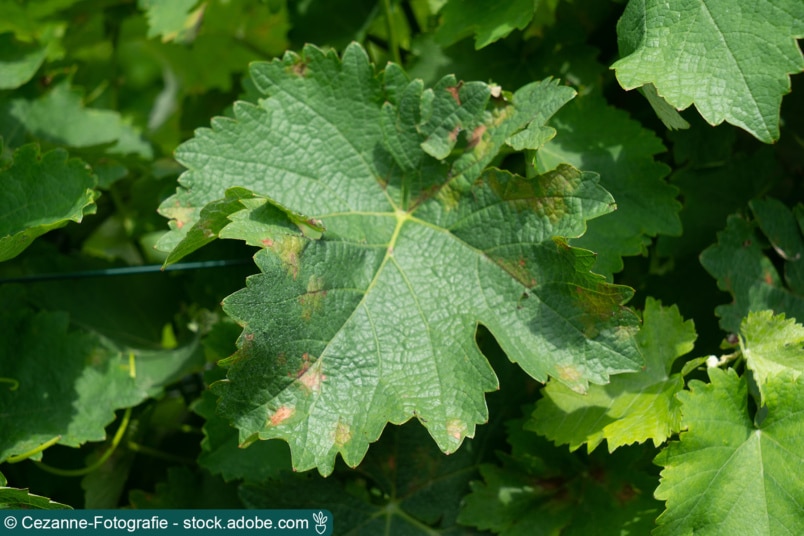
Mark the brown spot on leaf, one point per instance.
(476, 137)
(179, 224)
(299, 68)
(455, 92)
(281, 415)
(453, 135)
(768, 277)
(267, 242)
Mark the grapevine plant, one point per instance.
(438, 266)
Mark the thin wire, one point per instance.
(124, 270)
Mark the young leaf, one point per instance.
(41, 192)
(732, 61)
(633, 407)
(772, 346)
(374, 321)
(728, 472)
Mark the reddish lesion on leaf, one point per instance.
(476, 137)
(455, 92)
(282, 414)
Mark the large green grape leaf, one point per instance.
(732, 60)
(742, 268)
(540, 490)
(374, 321)
(772, 347)
(597, 137)
(39, 193)
(729, 471)
(633, 407)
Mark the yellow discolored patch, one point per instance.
(288, 248)
(343, 434)
(569, 373)
(456, 429)
(280, 415)
(313, 300)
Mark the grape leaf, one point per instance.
(597, 137)
(374, 321)
(732, 61)
(772, 346)
(41, 192)
(172, 20)
(488, 21)
(715, 171)
(739, 264)
(405, 486)
(728, 472)
(633, 407)
(60, 116)
(22, 499)
(75, 402)
(18, 61)
(538, 489)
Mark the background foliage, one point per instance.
(418, 239)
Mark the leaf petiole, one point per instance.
(100, 461)
(25, 455)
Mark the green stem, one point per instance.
(392, 37)
(24, 456)
(15, 384)
(121, 430)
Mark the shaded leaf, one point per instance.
(594, 136)
(61, 117)
(739, 264)
(74, 402)
(487, 21)
(539, 490)
(405, 486)
(18, 61)
(39, 193)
